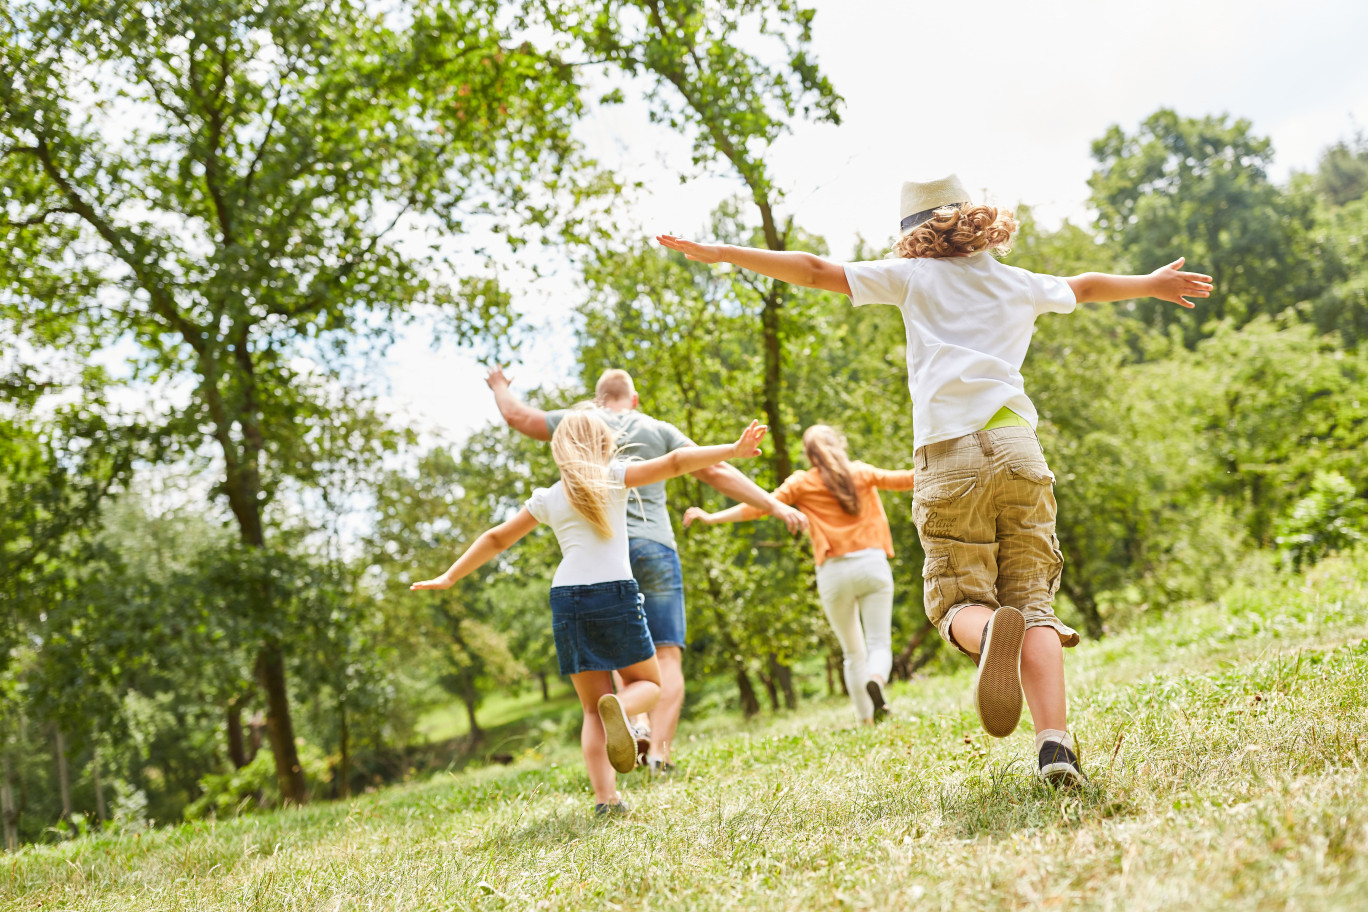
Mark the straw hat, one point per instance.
(920, 201)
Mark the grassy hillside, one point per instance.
(1227, 746)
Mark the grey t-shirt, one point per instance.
(644, 438)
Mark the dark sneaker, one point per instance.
(1059, 766)
(875, 690)
(612, 809)
(643, 745)
(662, 768)
(621, 742)
(997, 682)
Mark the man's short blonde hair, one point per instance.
(614, 386)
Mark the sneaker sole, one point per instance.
(997, 683)
(620, 741)
(1063, 775)
(880, 704)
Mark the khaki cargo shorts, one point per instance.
(985, 510)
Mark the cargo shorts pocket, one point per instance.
(942, 588)
(935, 505)
(1036, 472)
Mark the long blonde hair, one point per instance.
(583, 447)
(825, 448)
(954, 232)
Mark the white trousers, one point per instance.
(857, 595)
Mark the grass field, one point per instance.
(1227, 748)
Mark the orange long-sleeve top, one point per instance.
(834, 531)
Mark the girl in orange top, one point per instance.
(851, 544)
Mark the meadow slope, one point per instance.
(1226, 745)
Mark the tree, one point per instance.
(1199, 187)
(226, 185)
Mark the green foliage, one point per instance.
(251, 788)
(1199, 188)
(1333, 517)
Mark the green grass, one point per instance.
(1227, 747)
(498, 711)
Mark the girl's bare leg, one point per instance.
(640, 686)
(589, 686)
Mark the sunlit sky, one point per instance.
(1008, 95)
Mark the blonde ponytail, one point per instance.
(825, 448)
(583, 447)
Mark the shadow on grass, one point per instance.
(559, 828)
(1009, 798)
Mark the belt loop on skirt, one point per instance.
(985, 444)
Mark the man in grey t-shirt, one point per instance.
(655, 561)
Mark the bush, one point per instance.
(1331, 518)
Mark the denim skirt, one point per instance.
(599, 627)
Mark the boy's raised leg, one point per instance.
(995, 639)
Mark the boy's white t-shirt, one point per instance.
(969, 323)
(586, 557)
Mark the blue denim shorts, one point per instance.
(599, 627)
(657, 571)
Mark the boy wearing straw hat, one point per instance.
(984, 505)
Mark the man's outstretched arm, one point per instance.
(521, 417)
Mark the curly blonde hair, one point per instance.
(954, 231)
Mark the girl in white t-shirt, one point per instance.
(596, 615)
(985, 506)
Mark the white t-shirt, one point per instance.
(586, 557)
(969, 322)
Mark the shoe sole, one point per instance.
(620, 741)
(880, 704)
(997, 683)
(1063, 775)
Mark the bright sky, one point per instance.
(1008, 95)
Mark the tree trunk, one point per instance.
(1087, 606)
(783, 677)
(63, 774)
(545, 687)
(9, 814)
(470, 698)
(774, 360)
(902, 662)
(279, 728)
(768, 680)
(831, 679)
(344, 772)
(255, 728)
(237, 745)
(101, 813)
(750, 705)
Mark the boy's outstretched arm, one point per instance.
(1166, 283)
(791, 266)
(488, 546)
(692, 458)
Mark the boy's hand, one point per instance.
(696, 513)
(703, 253)
(440, 582)
(496, 379)
(1174, 286)
(749, 444)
